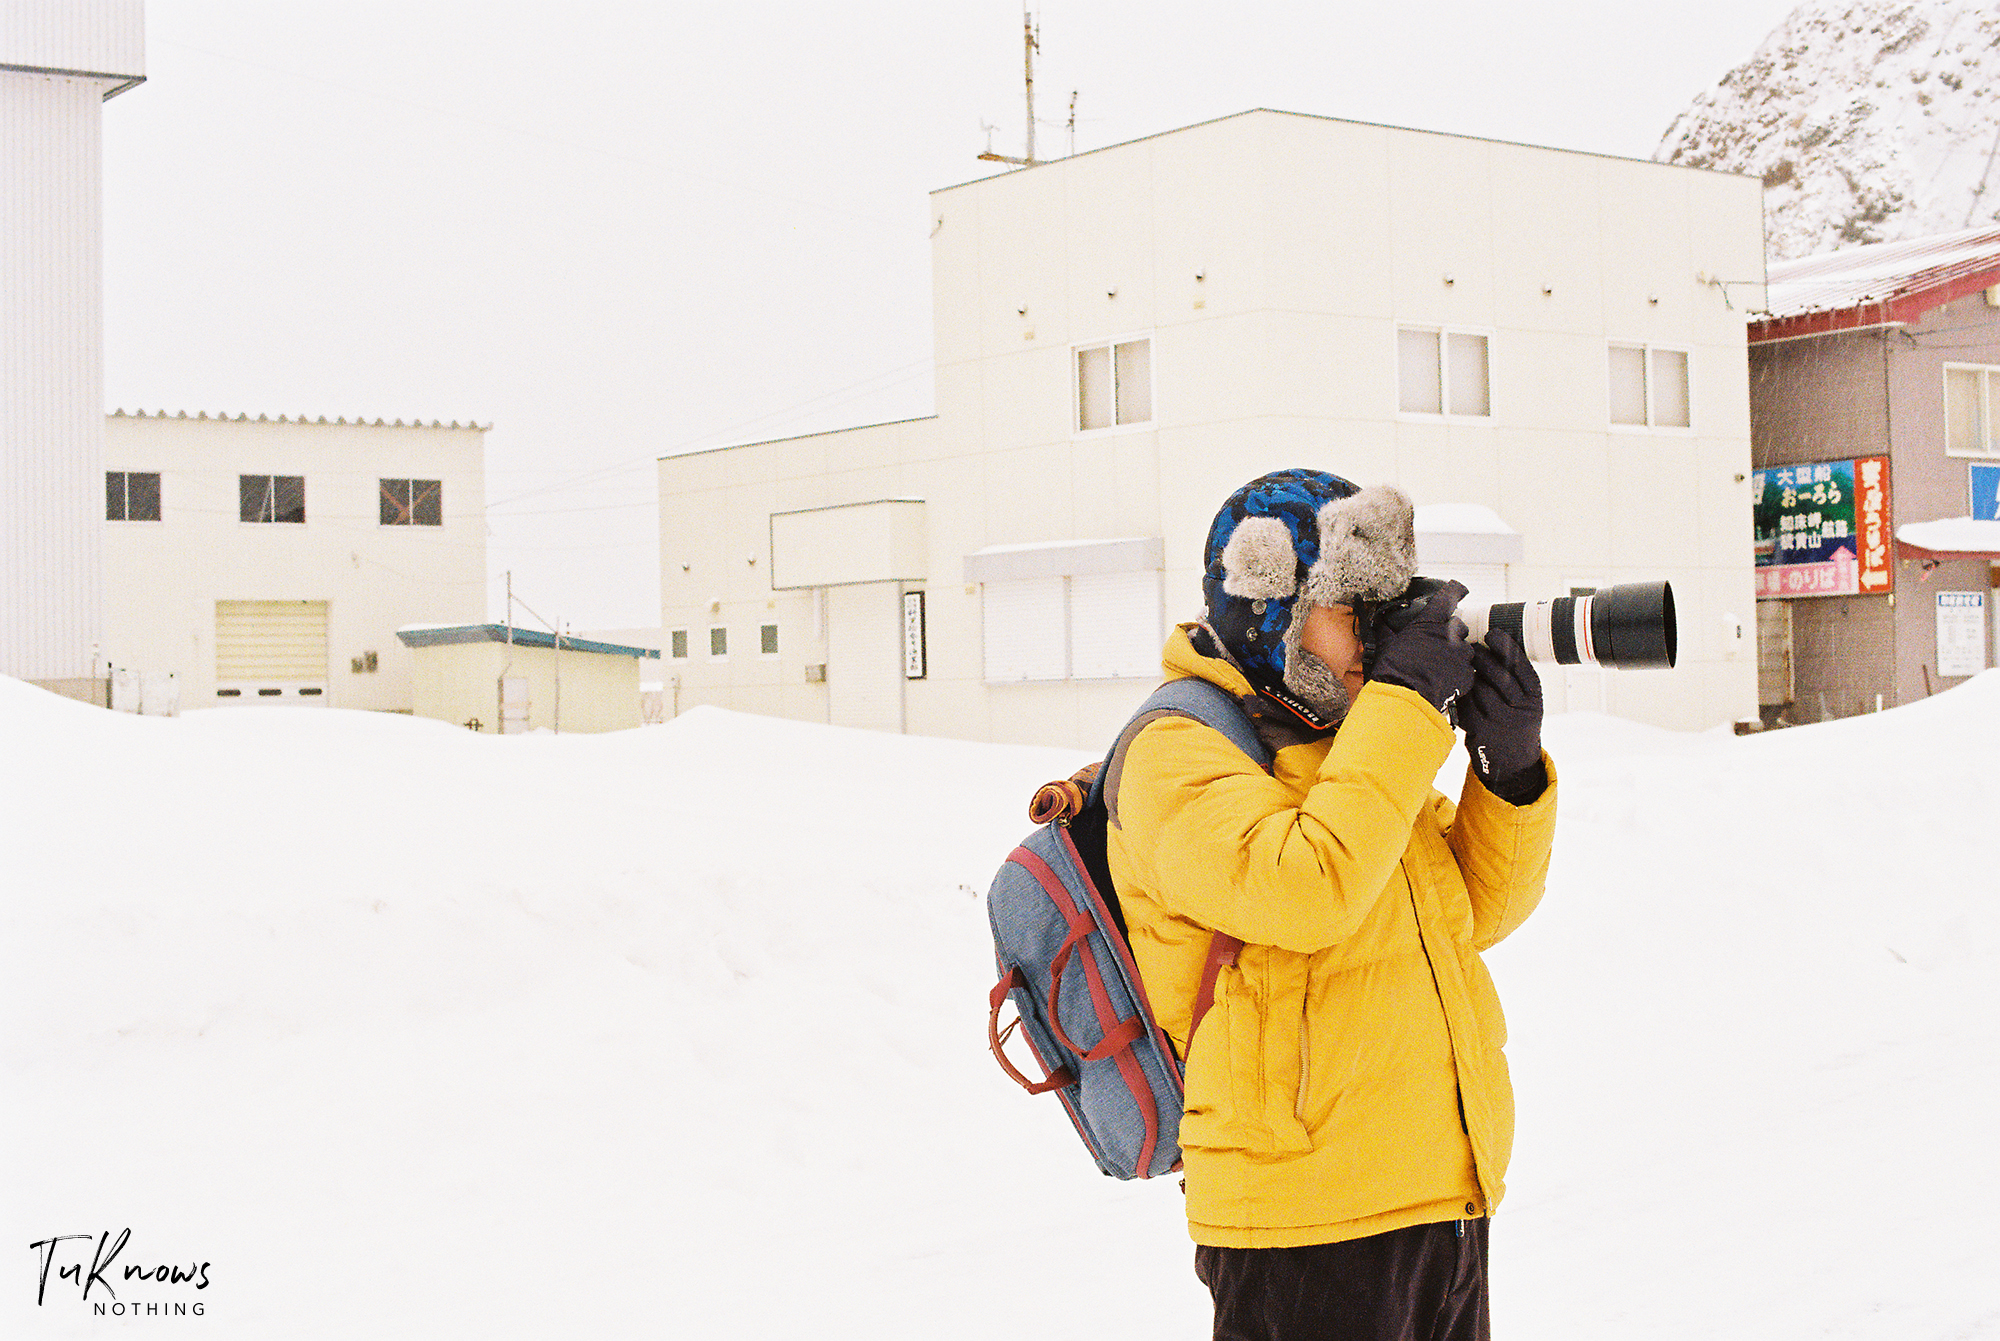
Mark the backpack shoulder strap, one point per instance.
(1206, 703)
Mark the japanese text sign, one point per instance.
(1822, 528)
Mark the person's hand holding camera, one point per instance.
(1502, 717)
(1429, 654)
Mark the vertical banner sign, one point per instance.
(1822, 528)
(915, 653)
(1961, 633)
(1984, 484)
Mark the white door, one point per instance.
(513, 705)
(864, 656)
(270, 653)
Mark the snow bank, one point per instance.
(409, 1031)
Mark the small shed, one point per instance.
(489, 677)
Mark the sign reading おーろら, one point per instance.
(1822, 528)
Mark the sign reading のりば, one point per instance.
(1822, 528)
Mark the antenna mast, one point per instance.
(1031, 42)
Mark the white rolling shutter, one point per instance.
(265, 645)
(1114, 622)
(1024, 626)
(864, 656)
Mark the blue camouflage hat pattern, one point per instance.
(1253, 628)
(1295, 536)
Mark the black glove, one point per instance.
(1430, 653)
(1502, 717)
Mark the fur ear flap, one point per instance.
(1259, 562)
(1367, 548)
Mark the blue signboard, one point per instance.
(1985, 492)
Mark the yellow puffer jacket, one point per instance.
(1325, 1090)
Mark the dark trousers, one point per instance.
(1423, 1283)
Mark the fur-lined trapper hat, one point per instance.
(1291, 540)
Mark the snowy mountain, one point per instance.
(1869, 121)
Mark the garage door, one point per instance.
(270, 652)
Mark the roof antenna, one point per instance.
(1031, 42)
(1072, 123)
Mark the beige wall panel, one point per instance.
(1562, 505)
(1551, 380)
(1655, 501)
(1719, 392)
(834, 546)
(1721, 532)
(1212, 370)
(1722, 246)
(1208, 198)
(1545, 236)
(1109, 199)
(1028, 494)
(1020, 263)
(1035, 386)
(1440, 201)
(1332, 367)
(1327, 190)
(955, 709)
(1642, 228)
(1456, 465)
(956, 222)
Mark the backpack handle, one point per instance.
(996, 1039)
(1117, 1038)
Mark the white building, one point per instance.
(1545, 347)
(268, 561)
(59, 61)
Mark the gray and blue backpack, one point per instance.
(1063, 956)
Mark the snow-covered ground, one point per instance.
(678, 1032)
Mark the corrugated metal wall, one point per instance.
(90, 36)
(51, 375)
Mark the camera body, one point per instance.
(1630, 626)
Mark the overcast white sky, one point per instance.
(615, 230)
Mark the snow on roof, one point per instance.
(1877, 284)
(1461, 519)
(1952, 535)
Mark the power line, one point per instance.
(650, 457)
(532, 134)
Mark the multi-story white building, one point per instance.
(265, 561)
(1545, 349)
(59, 61)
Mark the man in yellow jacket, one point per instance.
(1349, 1115)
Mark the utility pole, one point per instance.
(559, 676)
(1031, 42)
(507, 668)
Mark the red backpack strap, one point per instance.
(1221, 951)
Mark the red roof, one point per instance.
(1881, 284)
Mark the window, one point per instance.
(1094, 626)
(1649, 387)
(1114, 384)
(412, 503)
(272, 498)
(767, 640)
(1444, 372)
(131, 495)
(1971, 410)
(718, 643)
(677, 644)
